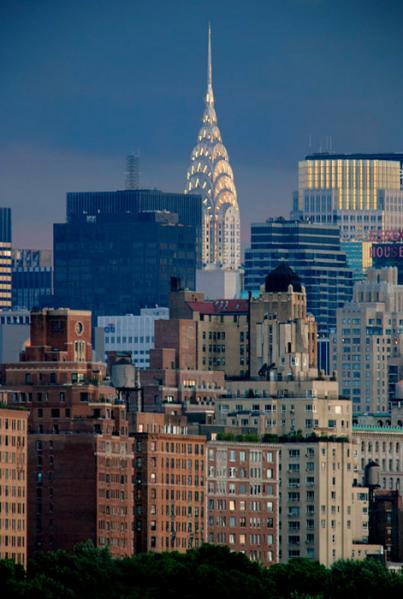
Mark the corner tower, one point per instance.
(211, 176)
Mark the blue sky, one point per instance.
(84, 82)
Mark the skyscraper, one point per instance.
(5, 258)
(211, 176)
(313, 251)
(117, 263)
(32, 277)
(369, 333)
(362, 193)
(90, 205)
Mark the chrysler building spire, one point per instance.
(209, 64)
(210, 175)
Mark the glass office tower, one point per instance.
(361, 193)
(313, 251)
(119, 263)
(88, 204)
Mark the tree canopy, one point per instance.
(208, 572)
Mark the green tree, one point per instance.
(300, 577)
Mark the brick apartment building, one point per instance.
(243, 498)
(13, 484)
(221, 329)
(233, 336)
(169, 485)
(386, 522)
(174, 379)
(80, 454)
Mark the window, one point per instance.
(79, 351)
(293, 453)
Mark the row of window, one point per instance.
(129, 339)
(240, 472)
(13, 424)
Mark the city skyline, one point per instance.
(76, 104)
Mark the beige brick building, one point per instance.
(369, 335)
(384, 445)
(280, 407)
(13, 484)
(221, 330)
(323, 515)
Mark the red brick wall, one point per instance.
(181, 336)
(58, 330)
(169, 492)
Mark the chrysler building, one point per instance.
(211, 176)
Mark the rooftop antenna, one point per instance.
(209, 62)
(209, 95)
(132, 171)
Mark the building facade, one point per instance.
(384, 445)
(174, 382)
(211, 176)
(313, 251)
(80, 454)
(359, 257)
(5, 259)
(129, 333)
(170, 483)
(220, 330)
(386, 523)
(388, 253)
(369, 334)
(13, 484)
(243, 498)
(87, 205)
(324, 510)
(116, 264)
(14, 334)
(32, 277)
(362, 193)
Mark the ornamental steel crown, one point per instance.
(211, 176)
